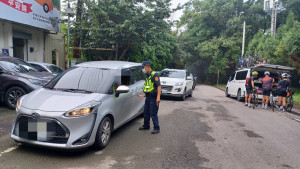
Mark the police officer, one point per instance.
(152, 90)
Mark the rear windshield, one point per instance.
(18, 66)
(173, 74)
(84, 79)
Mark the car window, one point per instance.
(54, 69)
(232, 77)
(241, 75)
(126, 77)
(173, 74)
(39, 68)
(15, 67)
(87, 79)
(137, 75)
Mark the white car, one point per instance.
(236, 84)
(176, 83)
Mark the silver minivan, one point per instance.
(81, 107)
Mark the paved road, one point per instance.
(205, 131)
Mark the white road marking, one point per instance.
(9, 150)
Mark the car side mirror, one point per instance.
(189, 78)
(122, 89)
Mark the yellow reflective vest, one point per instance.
(149, 85)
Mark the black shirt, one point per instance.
(283, 85)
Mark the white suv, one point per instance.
(176, 83)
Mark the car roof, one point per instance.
(175, 69)
(270, 67)
(40, 63)
(10, 58)
(108, 64)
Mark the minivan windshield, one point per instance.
(21, 67)
(173, 74)
(80, 79)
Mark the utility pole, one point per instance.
(244, 37)
(273, 7)
(273, 18)
(69, 12)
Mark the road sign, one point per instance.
(5, 52)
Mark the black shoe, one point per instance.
(155, 131)
(144, 128)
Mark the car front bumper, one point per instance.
(55, 131)
(174, 91)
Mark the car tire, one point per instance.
(226, 92)
(12, 95)
(46, 7)
(239, 95)
(191, 94)
(183, 97)
(103, 133)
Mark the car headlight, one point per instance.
(19, 103)
(84, 109)
(38, 82)
(179, 84)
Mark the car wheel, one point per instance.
(183, 97)
(103, 133)
(12, 95)
(46, 7)
(239, 97)
(191, 94)
(226, 92)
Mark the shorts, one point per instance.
(282, 93)
(266, 92)
(249, 91)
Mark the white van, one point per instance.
(236, 84)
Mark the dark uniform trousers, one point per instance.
(150, 110)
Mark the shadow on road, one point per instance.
(59, 153)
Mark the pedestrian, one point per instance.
(265, 62)
(152, 90)
(282, 88)
(267, 84)
(249, 88)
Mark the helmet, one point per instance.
(284, 75)
(254, 73)
(267, 73)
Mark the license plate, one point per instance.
(164, 91)
(38, 129)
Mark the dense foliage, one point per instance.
(212, 40)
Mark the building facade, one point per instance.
(32, 35)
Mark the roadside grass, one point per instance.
(222, 86)
(296, 96)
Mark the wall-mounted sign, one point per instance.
(43, 14)
(5, 52)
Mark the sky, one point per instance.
(177, 14)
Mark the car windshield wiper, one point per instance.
(73, 90)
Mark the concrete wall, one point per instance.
(37, 42)
(6, 40)
(55, 42)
